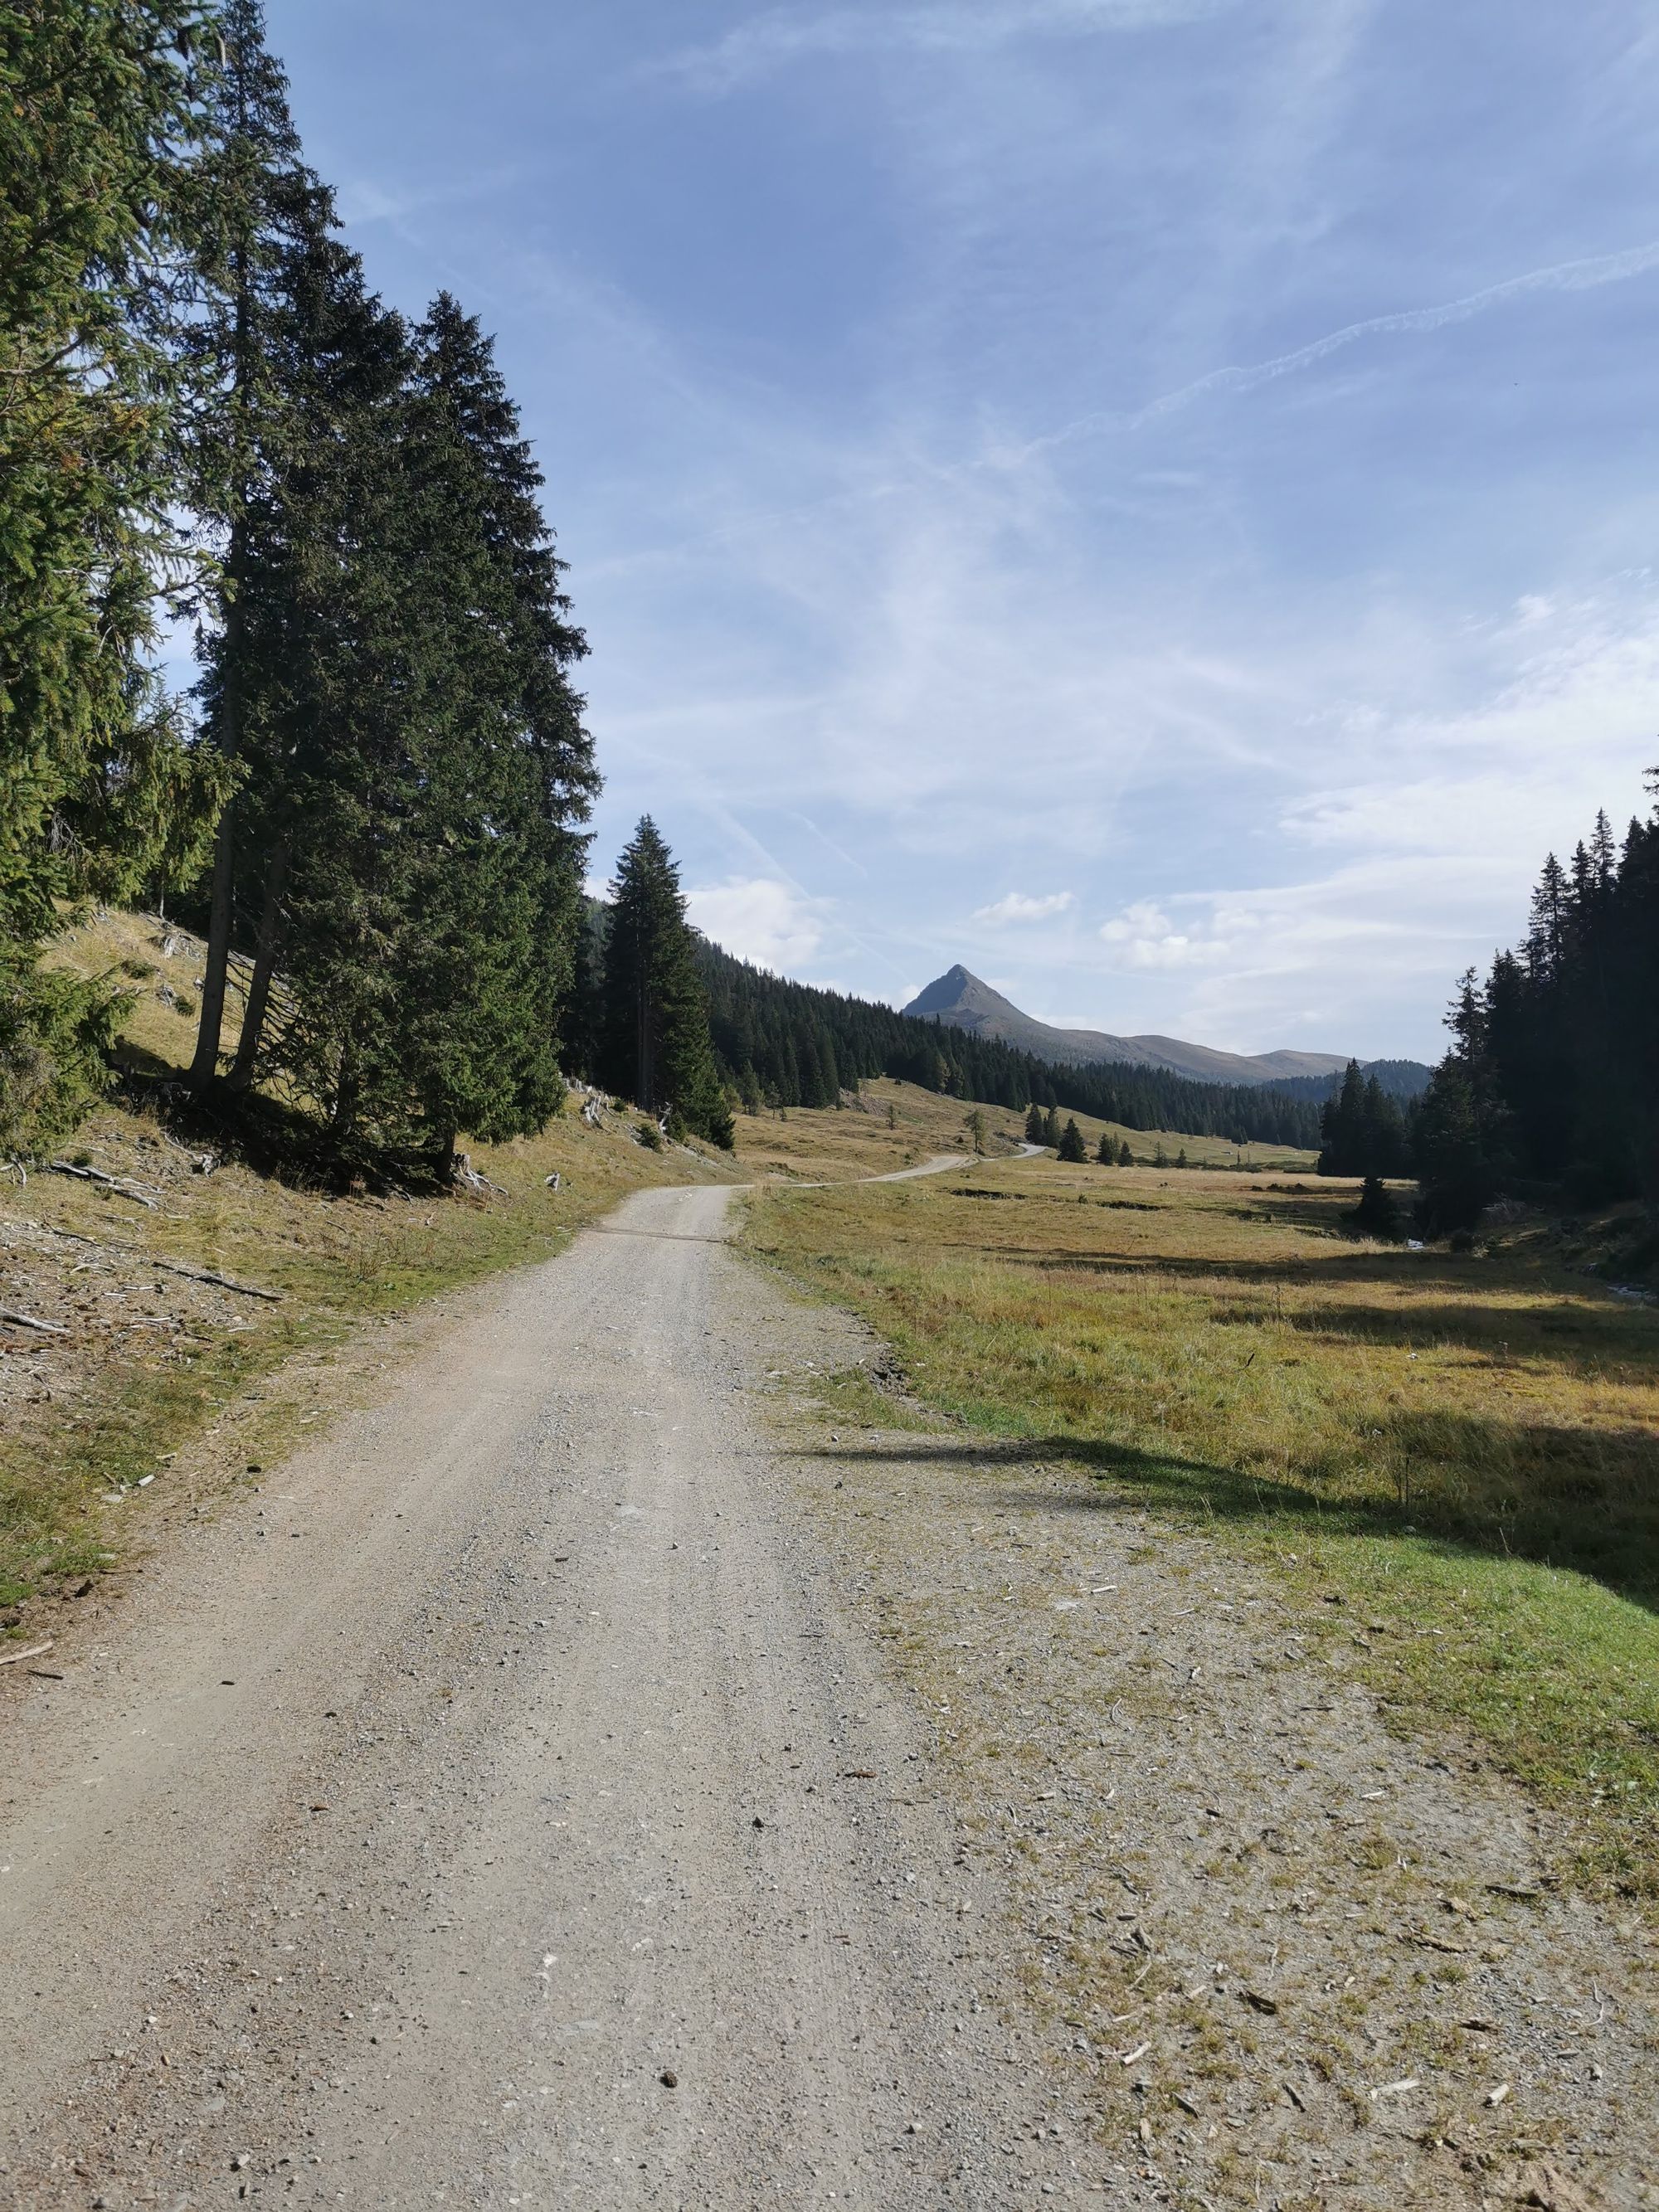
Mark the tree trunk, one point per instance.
(265, 960)
(646, 1074)
(205, 1066)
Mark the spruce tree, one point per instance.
(100, 118)
(258, 206)
(1342, 1126)
(1051, 1128)
(1126, 1158)
(658, 1048)
(1375, 1215)
(507, 767)
(1106, 1151)
(1071, 1146)
(1037, 1129)
(295, 685)
(420, 763)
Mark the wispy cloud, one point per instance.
(782, 36)
(1351, 674)
(1583, 275)
(1017, 907)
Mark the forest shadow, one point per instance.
(272, 1138)
(1505, 1336)
(1346, 1263)
(1554, 1497)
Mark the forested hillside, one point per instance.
(790, 1044)
(1402, 1079)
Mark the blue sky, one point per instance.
(1153, 499)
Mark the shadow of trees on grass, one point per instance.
(1576, 1500)
(1504, 1334)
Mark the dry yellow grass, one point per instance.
(1462, 1450)
(895, 1124)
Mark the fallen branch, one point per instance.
(35, 1651)
(167, 1266)
(208, 1276)
(31, 1320)
(118, 1184)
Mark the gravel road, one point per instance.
(601, 1774)
(501, 1806)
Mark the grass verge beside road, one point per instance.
(138, 1361)
(1452, 1462)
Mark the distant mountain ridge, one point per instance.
(963, 1001)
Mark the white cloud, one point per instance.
(781, 35)
(1017, 907)
(1143, 936)
(760, 918)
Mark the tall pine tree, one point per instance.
(657, 1050)
(260, 210)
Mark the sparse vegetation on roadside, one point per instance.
(1451, 1458)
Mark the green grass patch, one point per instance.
(1453, 1461)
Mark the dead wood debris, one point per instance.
(167, 1266)
(123, 1186)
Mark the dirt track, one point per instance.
(557, 1726)
(506, 1755)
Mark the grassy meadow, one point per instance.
(893, 1125)
(1452, 1462)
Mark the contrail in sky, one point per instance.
(1565, 276)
